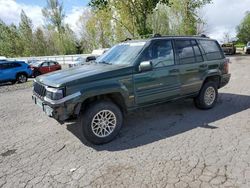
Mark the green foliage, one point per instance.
(243, 30)
(108, 22)
(54, 14)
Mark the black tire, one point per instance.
(21, 78)
(36, 73)
(200, 101)
(13, 82)
(88, 116)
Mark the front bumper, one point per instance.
(60, 112)
(225, 78)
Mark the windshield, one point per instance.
(123, 53)
(248, 44)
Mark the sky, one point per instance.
(222, 16)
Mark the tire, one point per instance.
(36, 73)
(21, 78)
(13, 82)
(95, 114)
(208, 96)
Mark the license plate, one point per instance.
(45, 107)
(39, 102)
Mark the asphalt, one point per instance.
(169, 145)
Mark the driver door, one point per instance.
(162, 81)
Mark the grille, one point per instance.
(39, 89)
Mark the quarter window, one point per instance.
(212, 49)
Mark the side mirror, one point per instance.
(145, 66)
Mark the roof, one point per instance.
(169, 37)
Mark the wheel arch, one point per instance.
(115, 97)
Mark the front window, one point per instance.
(123, 53)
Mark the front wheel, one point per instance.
(207, 97)
(101, 122)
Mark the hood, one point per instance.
(85, 73)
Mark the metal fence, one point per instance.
(62, 59)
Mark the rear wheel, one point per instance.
(207, 97)
(101, 122)
(36, 73)
(22, 78)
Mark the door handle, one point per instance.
(174, 71)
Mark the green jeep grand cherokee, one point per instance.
(131, 75)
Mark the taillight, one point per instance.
(226, 66)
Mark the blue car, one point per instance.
(14, 71)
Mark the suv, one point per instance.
(229, 48)
(14, 71)
(247, 48)
(131, 75)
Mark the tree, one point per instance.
(10, 41)
(40, 43)
(243, 30)
(54, 14)
(26, 34)
(139, 11)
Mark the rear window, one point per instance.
(212, 49)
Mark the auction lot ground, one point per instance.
(171, 145)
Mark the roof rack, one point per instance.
(157, 35)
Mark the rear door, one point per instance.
(192, 65)
(44, 68)
(162, 82)
(52, 66)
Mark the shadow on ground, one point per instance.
(160, 122)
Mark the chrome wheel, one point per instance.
(22, 78)
(210, 95)
(103, 123)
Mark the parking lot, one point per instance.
(171, 145)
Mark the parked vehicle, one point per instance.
(247, 48)
(14, 71)
(43, 67)
(99, 52)
(132, 75)
(229, 48)
(82, 61)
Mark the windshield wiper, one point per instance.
(104, 62)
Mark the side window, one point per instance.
(185, 51)
(3, 66)
(212, 49)
(51, 63)
(197, 52)
(160, 53)
(14, 65)
(45, 64)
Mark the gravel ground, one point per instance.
(6, 87)
(171, 145)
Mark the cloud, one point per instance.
(73, 18)
(223, 16)
(11, 10)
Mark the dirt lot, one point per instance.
(171, 145)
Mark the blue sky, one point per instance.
(68, 4)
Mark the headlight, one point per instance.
(54, 93)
